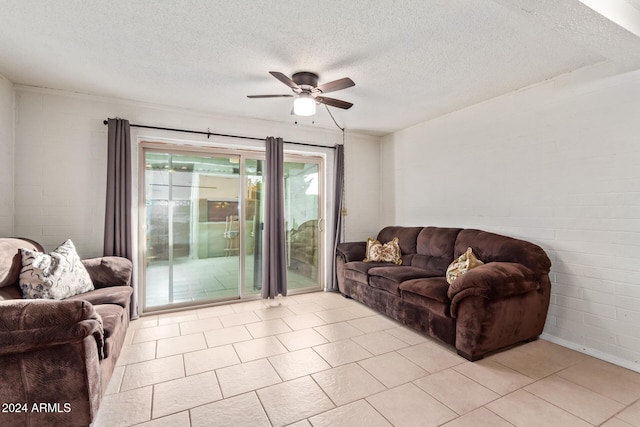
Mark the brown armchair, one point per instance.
(57, 356)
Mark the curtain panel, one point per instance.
(274, 267)
(118, 226)
(338, 200)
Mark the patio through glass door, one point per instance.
(203, 225)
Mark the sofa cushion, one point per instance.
(378, 252)
(358, 270)
(389, 277)
(434, 288)
(117, 295)
(57, 275)
(428, 292)
(406, 237)
(398, 273)
(434, 249)
(108, 271)
(385, 284)
(11, 259)
(491, 247)
(10, 292)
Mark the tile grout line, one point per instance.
(497, 415)
(619, 412)
(458, 415)
(588, 358)
(335, 405)
(376, 409)
(153, 391)
(522, 388)
(262, 405)
(627, 407)
(553, 404)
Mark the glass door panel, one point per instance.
(192, 248)
(302, 184)
(253, 225)
(204, 225)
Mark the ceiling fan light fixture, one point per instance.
(304, 105)
(306, 92)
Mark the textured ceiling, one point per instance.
(411, 60)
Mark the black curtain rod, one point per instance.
(209, 134)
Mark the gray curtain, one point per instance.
(117, 227)
(338, 193)
(274, 266)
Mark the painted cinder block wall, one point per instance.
(556, 164)
(6, 156)
(61, 149)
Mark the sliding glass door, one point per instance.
(203, 225)
(192, 231)
(302, 185)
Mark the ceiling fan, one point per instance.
(307, 92)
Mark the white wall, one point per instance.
(556, 164)
(362, 188)
(6, 157)
(61, 159)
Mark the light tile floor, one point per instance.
(207, 279)
(322, 360)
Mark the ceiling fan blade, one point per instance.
(336, 85)
(334, 102)
(269, 96)
(284, 79)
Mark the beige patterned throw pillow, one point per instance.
(389, 252)
(57, 275)
(460, 266)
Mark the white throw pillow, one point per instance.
(57, 275)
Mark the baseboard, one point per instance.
(592, 352)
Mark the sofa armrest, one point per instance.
(352, 251)
(109, 271)
(492, 281)
(27, 325)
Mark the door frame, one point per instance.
(156, 144)
(298, 157)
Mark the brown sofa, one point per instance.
(492, 306)
(57, 356)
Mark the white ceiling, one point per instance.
(411, 60)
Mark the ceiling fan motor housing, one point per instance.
(305, 78)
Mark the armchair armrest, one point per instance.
(492, 281)
(352, 251)
(109, 271)
(27, 325)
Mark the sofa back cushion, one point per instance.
(434, 249)
(11, 259)
(489, 247)
(406, 238)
